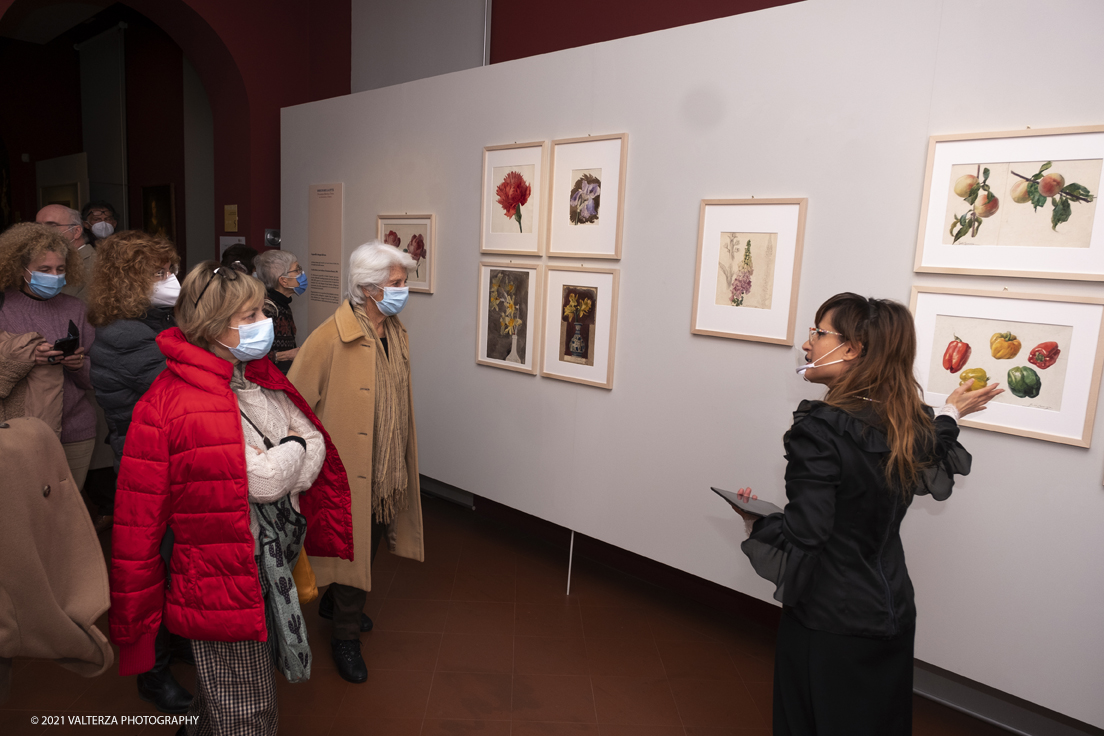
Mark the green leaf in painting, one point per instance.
(1060, 214)
(1045, 166)
(985, 174)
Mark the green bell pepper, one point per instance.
(1024, 382)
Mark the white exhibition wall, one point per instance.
(832, 100)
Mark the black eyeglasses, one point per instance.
(230, 273)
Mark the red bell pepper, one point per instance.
(956, 355)
(1044, 354)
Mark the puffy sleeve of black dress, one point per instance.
(821, 447)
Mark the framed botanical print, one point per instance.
(512, 207)
(1044, 350)
(586, 215)
(748, 268)
(415, 235)
(1020, 203)
(509, 313)
(580, 324)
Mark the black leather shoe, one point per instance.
(325, 610)
(350, 664)
(166, 694)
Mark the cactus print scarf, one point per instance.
(282, 529)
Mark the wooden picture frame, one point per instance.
(590, 361)
(587, 180)
(403, 232)
(748, 268)
(1058, 357)
(519, 353)
(507, 170)
(1014, 237)
(159, 211)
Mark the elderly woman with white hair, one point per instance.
(283, 278)
(354, 372)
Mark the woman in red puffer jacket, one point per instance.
(220, 435)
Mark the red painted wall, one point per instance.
(521, 28)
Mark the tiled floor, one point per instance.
(480, 639)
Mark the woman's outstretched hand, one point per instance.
(744, 494)
(974, 401)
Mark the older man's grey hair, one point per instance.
(370, 266)
(271, 265)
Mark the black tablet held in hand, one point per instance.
(751, 505)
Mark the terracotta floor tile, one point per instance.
(381, 583)
(421, 586)
(553, 698)
(316, 724)
(320, 695)
(495, 561)
(707, 731)
(534, 728)
(696, 659)
(725, 703)
(18, 722)
(401, 650)
(48, 687)
(400, 614)
(603, 587)
(387, 694)
(635, 700)
(930, 718)
(612, 622)
(476, 653)
(480, 617)
(668, 627)
(618, 730)
(543, 587)
(111, 693)
(462, 728)
(484, 586)
(71, 723)
(561, 620)
(538, 655)
(624, 657)
(369, 726)
(467, 696)
(753, 669)
(762, 693)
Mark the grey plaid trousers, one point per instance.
(235, 689)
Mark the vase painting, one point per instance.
(745, 269)
(507, 303)
(578, 305)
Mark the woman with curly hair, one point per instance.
(36, 262)
(134, 289)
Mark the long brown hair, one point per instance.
(882, 379)
(124, 274)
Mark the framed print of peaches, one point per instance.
(1044, 351)
(1020, 203)
(512, 205)
(415, 235)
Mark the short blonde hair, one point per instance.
(24, 242)
(209, 297)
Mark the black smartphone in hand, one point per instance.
(68, 344)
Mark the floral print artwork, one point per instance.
(586, 196)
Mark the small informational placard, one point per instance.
(325, 209)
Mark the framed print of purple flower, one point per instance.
(586, 197)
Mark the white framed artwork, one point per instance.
(580, 324)
(586, 215)
(512, 207)
(1018, 203)
(415, 235)
(508, 315)
(1044, 350)
(748, 268)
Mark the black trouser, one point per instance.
(349, 601)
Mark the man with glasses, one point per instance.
(68, 222)
(99, 219)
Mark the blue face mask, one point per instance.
(46, 285)
(394, 299)
(302, 281)
(254, 340)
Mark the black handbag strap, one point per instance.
(267, 442)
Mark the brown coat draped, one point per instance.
(26, 389)
(335, 371)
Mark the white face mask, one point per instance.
(102, 229)
(165, 292)
(813, 364)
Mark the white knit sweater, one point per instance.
(285, 469)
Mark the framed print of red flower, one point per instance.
(512, 194)
(417, 250)
(392, 238)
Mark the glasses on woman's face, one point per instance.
(162, 273)
(294, 273)
(815, 333)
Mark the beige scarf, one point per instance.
(391, 428)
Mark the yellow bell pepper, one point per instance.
(1004, 345)
(977, 376)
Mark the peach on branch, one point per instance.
(1019, 192)
(1051, 184)
(986, 205)
(964, 184)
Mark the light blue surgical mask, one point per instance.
(254, 340)
(302, 281)
(45, 285)
(394, 299)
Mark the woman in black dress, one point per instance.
(843, 660)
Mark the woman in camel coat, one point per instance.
(338, 371)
